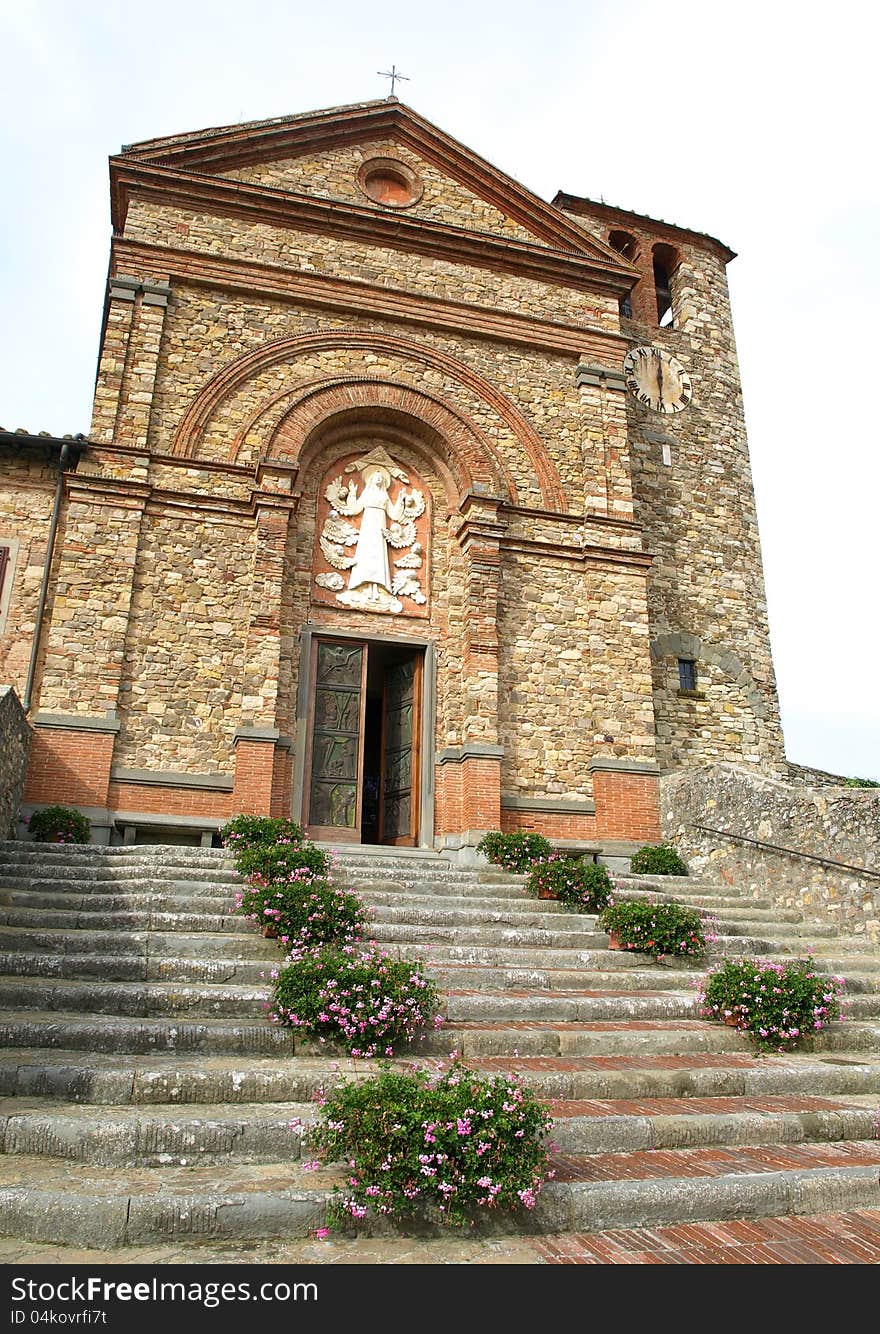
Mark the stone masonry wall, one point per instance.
(693, 493)
(333, 175)
(573, 677)
(27, 488)
(842, 824)
(15, 740)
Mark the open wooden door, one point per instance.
(401, 732)
(336, 742)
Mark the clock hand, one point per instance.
(660, 377)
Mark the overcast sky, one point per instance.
(756, 122)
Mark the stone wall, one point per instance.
(27, 489)
(15, 740)
(693, 495)
(838, 823)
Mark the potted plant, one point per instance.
(777, 1004)
(658, 929)
(59, 824)
(657, 859)
(576, 884)
(515, 852)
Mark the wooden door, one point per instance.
(401, 730)
(336, 740)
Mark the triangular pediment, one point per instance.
(330, 155)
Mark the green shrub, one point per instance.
(777, 1004)
(659, 859)
(251, 831)
(59, 824)
(304, 915)
(449, 1146)
(515, 852)
(860, 782)
(578, 884)
(658, 929)
(358, 996)
(282, 863)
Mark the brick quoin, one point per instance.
(254, 764)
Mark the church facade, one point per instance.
(412, 505)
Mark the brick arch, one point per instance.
(229, 378)
(469, 457)
(687, 645)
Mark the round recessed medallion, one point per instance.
(388, 181)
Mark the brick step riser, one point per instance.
(134, 968)
(86, 1034)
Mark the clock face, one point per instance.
(656, 379)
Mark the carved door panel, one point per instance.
(336, 742)
(401, 728)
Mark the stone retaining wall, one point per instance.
(839, 823)
(15, 742)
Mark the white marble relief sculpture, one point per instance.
(384, 523)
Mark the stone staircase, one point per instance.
(145, 1099)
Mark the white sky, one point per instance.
(756, 122)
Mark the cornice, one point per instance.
(351, 294)
(374, 226)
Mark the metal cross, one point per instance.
(393, 75)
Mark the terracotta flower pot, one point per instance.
(614, 942)
(270, 930)
(544, 893)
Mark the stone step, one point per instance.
(141, 944)
(156, 1077)
(134, 998)
(136, 968)
(469, 977)
(110, 903)
(96, 1032)
(684, 1076)
(476, 1039)
(610, 1126)
(495, 936)
(571, 1007)
(157, 1137)
(98, 879)
(74, 1204)
(642, 1189)
(55, 919)
(550, 916)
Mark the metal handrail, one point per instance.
(792, 852)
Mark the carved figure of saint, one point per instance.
(384, 524)
(371, 567)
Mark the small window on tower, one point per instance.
(665, 262)
(687, 674)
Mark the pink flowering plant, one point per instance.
(777, 1004)
(659, 929)
(251, 831)
(358, 996)
(577, 884)
(59, 824)
(514, 852)
(304, 913)
(448, 1146)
